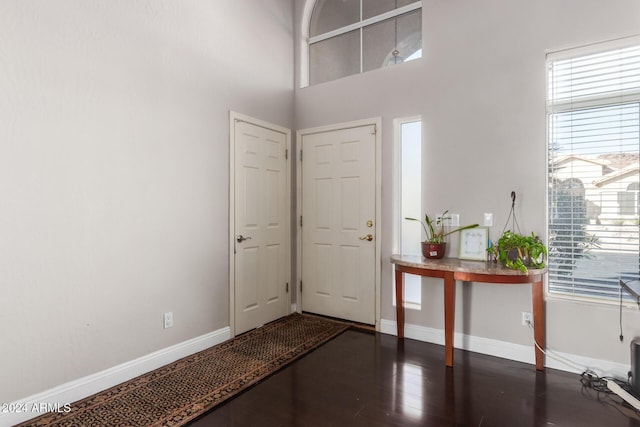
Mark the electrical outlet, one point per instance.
(455, 220)
(527, 319)
(168, 320)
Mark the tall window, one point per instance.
(409, 200)
(593, 110)
(352, 36)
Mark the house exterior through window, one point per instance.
(593, 111)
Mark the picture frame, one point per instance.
(473, 243)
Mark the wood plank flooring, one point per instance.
(368, 379)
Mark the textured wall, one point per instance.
(114, 172)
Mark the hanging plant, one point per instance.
(517, 251)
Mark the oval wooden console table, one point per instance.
(452, 269)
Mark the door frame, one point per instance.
(233, 118)
(377, 123)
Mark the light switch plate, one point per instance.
(488, 219)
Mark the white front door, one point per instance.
(260, 223)
(339, 223)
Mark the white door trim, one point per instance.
(377, 122)
(233, 118)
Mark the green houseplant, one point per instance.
(519, 252)
(434, 246)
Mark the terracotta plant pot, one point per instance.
(433, 250)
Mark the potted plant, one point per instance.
(434, 246)
(519, 252)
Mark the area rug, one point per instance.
(181, 391)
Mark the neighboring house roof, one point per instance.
(570, 158)
(618, 175)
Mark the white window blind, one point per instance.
(593, 110)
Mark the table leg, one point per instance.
(538, 321)
(449, 308)
(399, 305)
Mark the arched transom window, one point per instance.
(353, 36)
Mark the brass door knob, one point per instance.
(368, 237)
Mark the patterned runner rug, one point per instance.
(183, 390)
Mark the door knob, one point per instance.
(368, 237)
(241, 238)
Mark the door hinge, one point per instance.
(286, 153)
(375, 130)
(300, 155)
(300, 220)
(300, 286)
(287, 287)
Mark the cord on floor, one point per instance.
(590, 379)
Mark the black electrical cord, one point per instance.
(590, 380)
(630, 290)
(621, 336)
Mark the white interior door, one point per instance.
(339, 223)
(261, 223)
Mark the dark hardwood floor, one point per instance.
(367, 379)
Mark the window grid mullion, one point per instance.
(361, 41)
(366, 22)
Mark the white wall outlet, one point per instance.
(455, 220)
(527, 319)
(488, 219)
(168, 320)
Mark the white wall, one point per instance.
(114, 172)
(480, 88)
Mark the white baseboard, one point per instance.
(506, 350)
(64, 394)
(57, 397)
